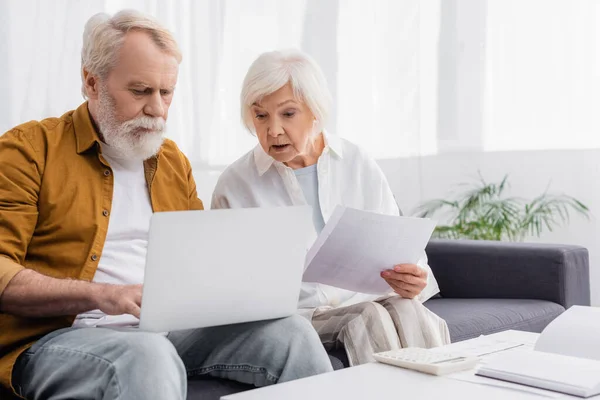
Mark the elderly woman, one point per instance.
(285, 103)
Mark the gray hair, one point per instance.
(273, 70)
(104, 35)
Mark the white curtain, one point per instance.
(370, 55)
(40, 46)
(542, 75)
(409, 77)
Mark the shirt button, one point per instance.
(105, 213)
(94, 257)
(106, 172)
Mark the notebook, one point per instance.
(566, 357)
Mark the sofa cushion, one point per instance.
(469, 318)
(339, 358)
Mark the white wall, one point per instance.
(576, 173)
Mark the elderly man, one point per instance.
(76, 196)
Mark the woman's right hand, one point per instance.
(407, 280)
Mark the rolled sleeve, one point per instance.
(8, 269)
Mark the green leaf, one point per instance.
(480, 210)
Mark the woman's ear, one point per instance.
(316, 127)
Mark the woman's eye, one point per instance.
(260, 116)
(289, 114)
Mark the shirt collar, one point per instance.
(85, 132)
(264, 161)
(333, 143)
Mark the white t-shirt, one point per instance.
(123, 258)
(346, 175)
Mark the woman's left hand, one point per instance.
(408, 280)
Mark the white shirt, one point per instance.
(346, 176)
(123, 258)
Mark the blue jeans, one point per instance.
(102, 363)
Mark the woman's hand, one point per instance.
(408, 280)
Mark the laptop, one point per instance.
(219, 267)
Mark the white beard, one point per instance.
(127, 138)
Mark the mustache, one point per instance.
(145, 122)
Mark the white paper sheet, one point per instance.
(484, 346)
(576, 333)
(355, 246)
(528, 339)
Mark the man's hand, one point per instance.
(119, 299)
(408, 280)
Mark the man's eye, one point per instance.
(165, 92)
(138, 92)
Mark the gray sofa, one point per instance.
(486, 287)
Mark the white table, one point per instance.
(381, 381)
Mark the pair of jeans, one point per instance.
(114, 363)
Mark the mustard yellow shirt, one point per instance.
(55, 201)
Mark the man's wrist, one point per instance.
(95, 293)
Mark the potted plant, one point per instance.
(483, 212)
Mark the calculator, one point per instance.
(427, 360)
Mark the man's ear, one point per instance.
(91, 83)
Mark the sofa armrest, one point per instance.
(489, 269)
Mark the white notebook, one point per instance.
(566, 358)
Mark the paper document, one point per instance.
(355, 246)
(482, 346)
(527, 339)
